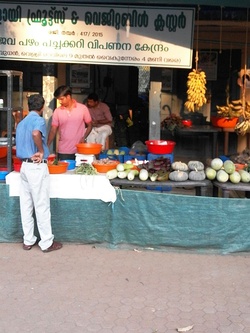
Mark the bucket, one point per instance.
(72, 164)
(3, 173)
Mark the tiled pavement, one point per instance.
(86, 288)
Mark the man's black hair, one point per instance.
(35, 102)
(93, 96)
(62, 91)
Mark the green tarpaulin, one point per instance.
(161, 221)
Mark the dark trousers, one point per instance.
(62, 157)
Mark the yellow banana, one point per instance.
(236, 102)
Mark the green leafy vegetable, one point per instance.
(85, 169)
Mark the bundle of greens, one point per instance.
(85, 169)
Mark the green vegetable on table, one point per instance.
(122, 174)
(124, 166)
(132, 173)
(85, 169)
(112, 174)
(222, 176)
(245, 176)
(210, 173)
(143, 174)
(235, 177)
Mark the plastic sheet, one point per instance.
(161, 221)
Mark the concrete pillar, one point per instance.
(49, 86)
(155, 111)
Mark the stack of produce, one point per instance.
(157, 169)
(193, 170)
(242, 158)
(116, 152)
(160, 169)
(226, 171)
(123, 154)
(196, 91)
(231, 110)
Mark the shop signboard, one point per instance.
(120, 35)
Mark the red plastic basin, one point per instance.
(160, 146)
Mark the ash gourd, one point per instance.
(194, 170)
(180, 171)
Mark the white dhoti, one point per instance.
(99, 135)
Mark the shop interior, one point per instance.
(129, 93)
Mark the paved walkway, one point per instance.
(85, 288)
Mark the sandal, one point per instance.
(55, 246)
(29, 247)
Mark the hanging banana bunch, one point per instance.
(243, 126)
(196, 91)
(237, 108)
(231, 110)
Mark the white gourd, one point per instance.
(195, 165)
(178, 176)
(178, 165)
(197, 175)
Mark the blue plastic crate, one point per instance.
(3, 173)
(133, 157)
(224, 158)
(151, 157)
(160, 188)
(125, 149)
(114, 157)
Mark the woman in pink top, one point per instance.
(73, 122)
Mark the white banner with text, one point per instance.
(148, 36)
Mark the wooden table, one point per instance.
(226, 131)
(200, 186)
(228, 186)
(203, 130)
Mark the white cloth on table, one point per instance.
(71, 186)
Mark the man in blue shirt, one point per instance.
(32, 149)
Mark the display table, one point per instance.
(228, 186)
(200, 186)
(226, 132)
(200, 130)
(71, 186)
